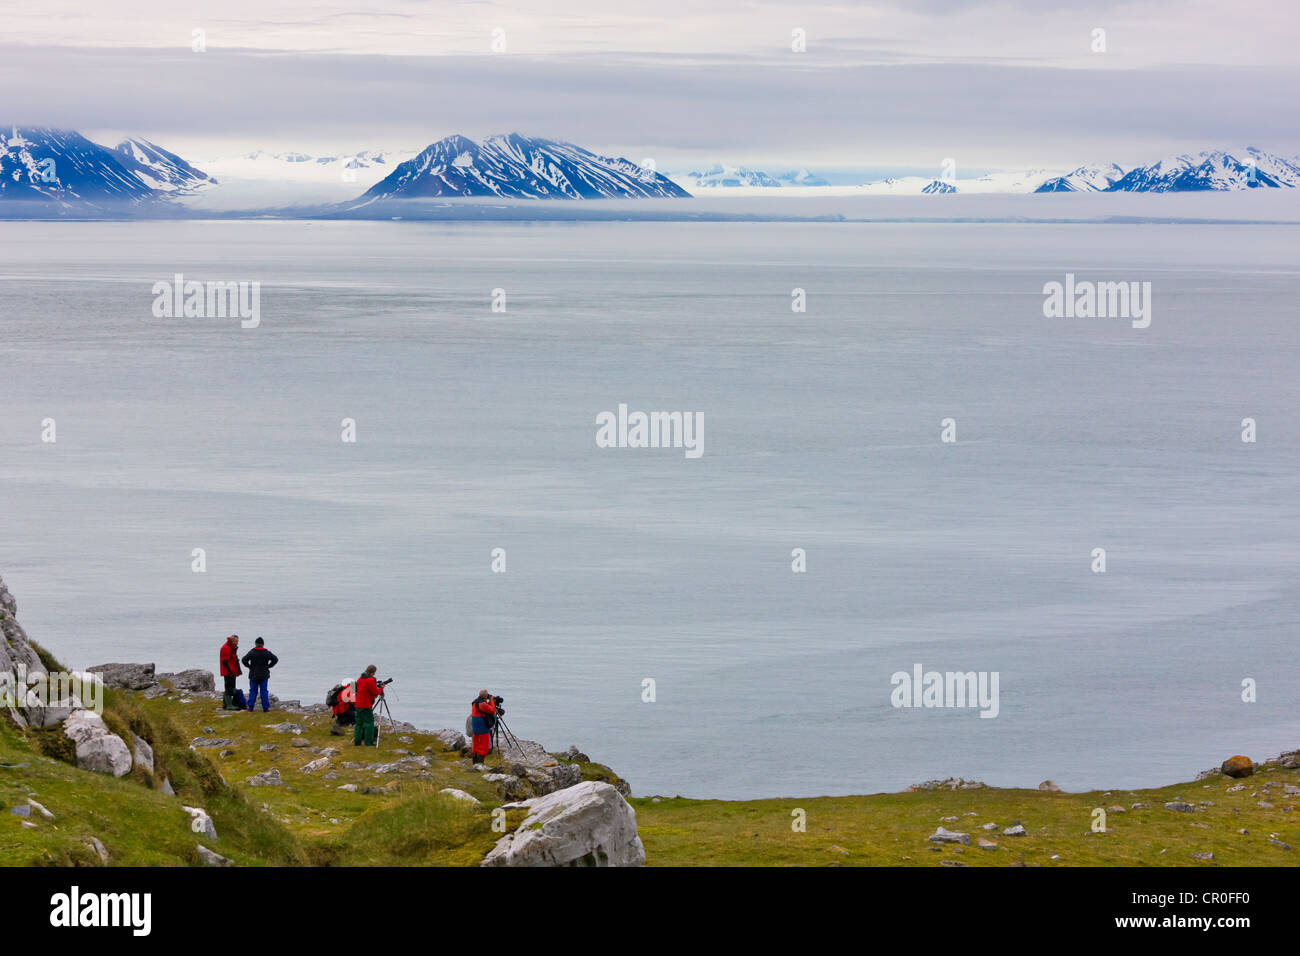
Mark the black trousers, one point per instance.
(230, 684)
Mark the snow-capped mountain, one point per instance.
(801, 177)
(365, 167)
(723, 176)
(40, 163)
(1084, 179)
(1249, 168)
(939, 187)
(61, 165)
(518, 167)
(719, 176)
(163, 170)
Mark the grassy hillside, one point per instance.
(403, 819)
(892, 829)
(388, 819)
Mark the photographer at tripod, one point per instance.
(368, 690)
(483, 718)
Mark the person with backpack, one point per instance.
(367, 692)
(340, 702)
(259, 662)
(229, 671)
(482, 717)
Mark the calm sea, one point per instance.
(476, 430)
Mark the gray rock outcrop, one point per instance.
(142, 754)
(98, 748)
(126, 676)
(195, 680)
(589, 824)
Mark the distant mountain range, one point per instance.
(512, 166)
(1218, 170)
(64, 168)
(721, 176)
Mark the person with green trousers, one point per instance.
(367, 692)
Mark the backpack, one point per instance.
(332, 697)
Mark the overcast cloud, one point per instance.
(1009, 83)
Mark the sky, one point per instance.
(1007, 84)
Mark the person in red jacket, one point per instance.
(230, 670)
(367, 692)
(482, 716)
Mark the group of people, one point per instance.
(352, 704)
(259, 662)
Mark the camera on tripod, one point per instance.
(499, 701)
(385, 683)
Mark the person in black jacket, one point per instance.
(259, 662)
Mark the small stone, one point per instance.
(1140, 806)
(1049, 786)
(267, 778)
(267, 747)
(301, 742)
(947, 836)
(1015, 831)
(200, 822)
(1179, 806)
(459, 795)
(101, 851)
(286, 728)
(349, 787)
(28, 825)
(1056, 856)
(1116, 809)
(22, 810)
(1279, 843)
(319, 764)
(1202, 856)
(1264, 805)
(989, 826)
(39, 809)
(987, 844)
(210, 858)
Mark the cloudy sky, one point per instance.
(991, 83)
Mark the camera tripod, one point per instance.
(499, 727)
(381, 705)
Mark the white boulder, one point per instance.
(589, 824)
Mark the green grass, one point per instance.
(892, 829)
